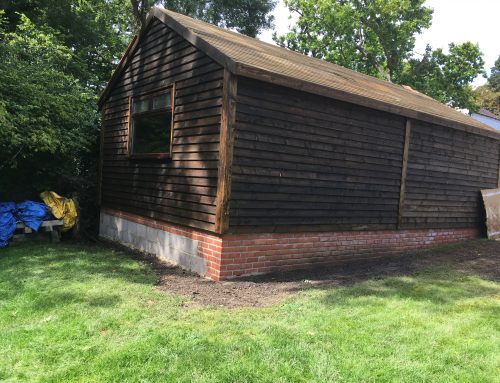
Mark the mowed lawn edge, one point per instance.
(91, 314)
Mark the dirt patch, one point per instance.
(481, 257)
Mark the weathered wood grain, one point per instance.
(447, 169)
(303, 160)
(404, 170)
(181, 189)
(226, 152)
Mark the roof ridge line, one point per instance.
(311, 60)
(259, 60)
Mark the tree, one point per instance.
(489, 94)
(446, 77)
(48, 118)
(494, 79)
(96, 31)
(372, 37)
(488, 99)
(377, 37)
(246, 16)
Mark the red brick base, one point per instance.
(234, 255)
(264, 253)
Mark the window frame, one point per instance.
(131, 115)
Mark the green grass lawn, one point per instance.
(69, 313)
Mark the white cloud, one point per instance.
(453, 21)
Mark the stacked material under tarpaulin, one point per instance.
(62, 208)
(491, 198)
(7, 222)
(32, 214)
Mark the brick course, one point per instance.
(263, 253)
(234, 255)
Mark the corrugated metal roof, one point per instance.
(249, 52)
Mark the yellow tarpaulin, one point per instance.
(62, 208)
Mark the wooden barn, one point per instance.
(231, 156)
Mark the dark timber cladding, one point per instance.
(181, 189)
(265, 140)
(447, 169)
(305, 162)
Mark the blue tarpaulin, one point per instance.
(32, 214)
(7, 222)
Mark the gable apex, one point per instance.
(159, 14)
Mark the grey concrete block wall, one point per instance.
(174, 248)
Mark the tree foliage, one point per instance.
(494, 79)
(446, 77)
(48, 120)
(377, 37)
(488, 99)
(489, 94)
(96, 32)
(372, 37)
(246, 16)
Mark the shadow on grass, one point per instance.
(54, 266)
(48, 300)
(439, 287)
(478, 257)
(443, 275)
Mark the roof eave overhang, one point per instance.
(283, 80)
(291, 82)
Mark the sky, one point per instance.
(453, 21)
